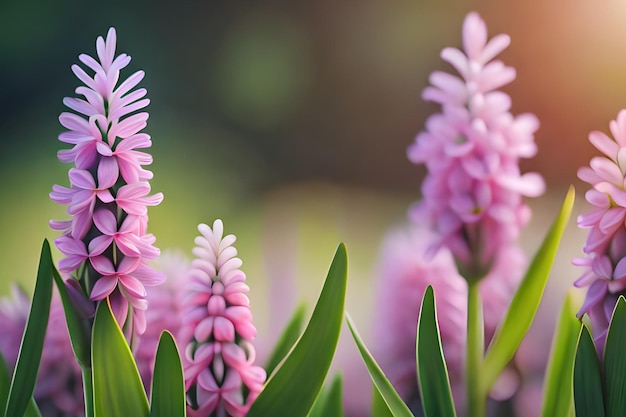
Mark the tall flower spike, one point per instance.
(220, 377)
(473, 191)
(105, 244)
(605, 263)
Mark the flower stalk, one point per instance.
(476, 399)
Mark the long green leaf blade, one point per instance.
(523, 307)
(78, 328)
(432, 373)
(293, 388)
(287, 339)
(396, 405)
(615, 362)
(334, 403)
(5, 383)
(379, 406)
(168, 383)
(25, 374)
(329, 402)
(320, 402)
(118, 390)
(31, 409)
(558, 394)
(588, 398)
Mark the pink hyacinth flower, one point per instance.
(165, 312)
(473, 191)
(605, 275)
(220, 377)
(106, 245)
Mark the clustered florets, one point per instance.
(106, 244)
(220, 376)
(473, 191)
(606, 243)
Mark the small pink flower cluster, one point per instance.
(220, 377)
(473, 190)
(606, 242)
(105, 243)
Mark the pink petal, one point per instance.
(108, 172)
(133, 286)
(99, 244)
(105, 221)
(103, 287)
(474, 35)
(595, 294)
(204, 329)
(103, 265)
(224, 330)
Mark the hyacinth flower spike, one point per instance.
(473, 191)
(472, 194)
(106, 244)
(220, 377)
(605, 264)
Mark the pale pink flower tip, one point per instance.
(473, 191)
(219, 373)
(106, 244)
(605, 264)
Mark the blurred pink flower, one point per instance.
(473, 191)
(605, 274)
(405, 270)
(105, 244)
(165, 312)
(220, 376)
(59, 390)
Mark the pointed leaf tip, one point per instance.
(523, 307)
(432, 371)
(118, 390)
(389, 395)
(302, 374)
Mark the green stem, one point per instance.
(476, 401)
(88, 391)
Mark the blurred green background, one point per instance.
(290, 120)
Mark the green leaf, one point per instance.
(615, 362)
(78, 328)
(432, 373)
(294, 387)
(118, 390)
(25, 375)
(168, 383)
(329, 402)
(334, 403)
(31, 409)
(558, 394)
(379, 406)
(318, 406)
(523, 307)
(5, 384)
(390, 396)
(588, 397)
(287, 339)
